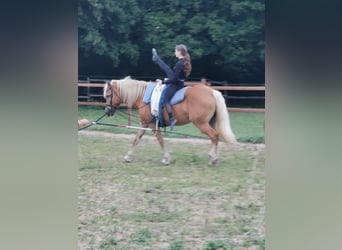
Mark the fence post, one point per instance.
(88, 90)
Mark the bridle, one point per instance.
(110, 109)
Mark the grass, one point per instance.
(187, 205)
(142, 237)
(248, 127)
(217, 244)
(177, 245)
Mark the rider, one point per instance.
(176, 77)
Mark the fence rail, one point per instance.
(89, 94)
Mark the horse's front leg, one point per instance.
(166, 159)
(141, 132)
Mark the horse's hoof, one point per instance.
(213, 162)
(127, 159)
(165, 161)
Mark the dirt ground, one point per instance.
(143, 205)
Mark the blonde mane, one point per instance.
(130, 90)
(105, 89)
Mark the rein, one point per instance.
(142, 128)
(96, 122)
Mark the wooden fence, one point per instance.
(89, 94)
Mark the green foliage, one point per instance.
(224, 35)
(105, 28)
(230, 31)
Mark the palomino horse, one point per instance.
(202, 105)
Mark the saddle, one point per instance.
(154, 95)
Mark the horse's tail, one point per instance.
(222, 124)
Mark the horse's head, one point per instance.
(127, 90)
(113, 100)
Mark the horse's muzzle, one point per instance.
(110, 110)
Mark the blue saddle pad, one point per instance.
(178, 96)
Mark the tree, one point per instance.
(225, 37)
(106, 27)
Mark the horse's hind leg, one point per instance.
(213, 135)
(141, 132)
(166, 159)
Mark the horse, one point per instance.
(202, 105)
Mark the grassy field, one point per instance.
(186, 205)
(248, 127)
